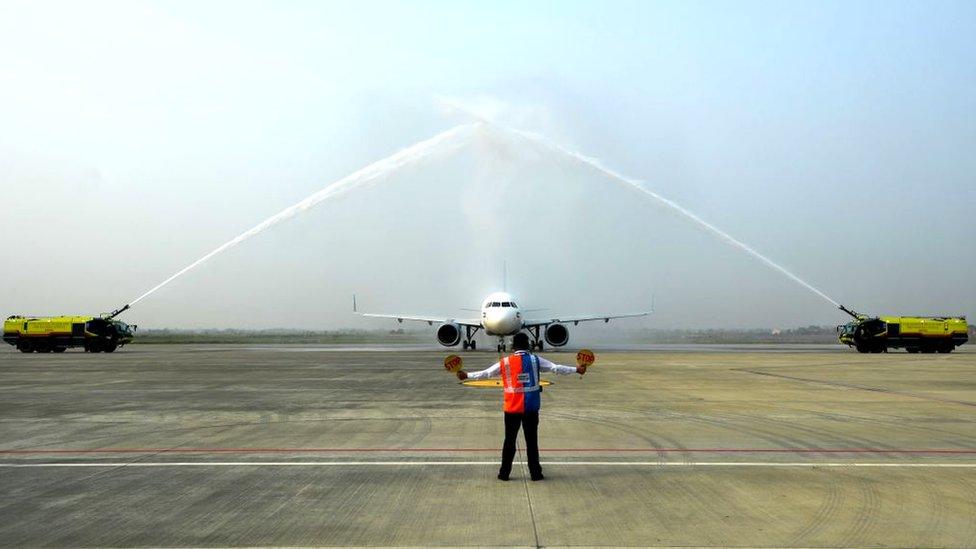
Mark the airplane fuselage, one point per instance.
(500, 315)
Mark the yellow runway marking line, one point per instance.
(496, 383)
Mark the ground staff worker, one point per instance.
(520, 377)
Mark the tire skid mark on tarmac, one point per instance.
(419, 436)
(41, 495)
(639, 433)
(857, 442)
(837, 496)
(880, 390)
(772, 437)
(864, 521)
(654, 440)
(954, 437)
(776, 435)
(426, 419)
(970, 481)
(865, 516)
(833, 504)
(900, 423)
(829, 508)
(935, 514)
(675, 485)
(686, 494)
(775, 438)
(728, 422)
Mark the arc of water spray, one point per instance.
(638, 185)
(595, 164)
(452, 138)
(442, 142)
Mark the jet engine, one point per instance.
(557, 335)
(449, 335)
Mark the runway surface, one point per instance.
(210, 445)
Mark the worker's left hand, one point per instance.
(581, 370)
(462, 375)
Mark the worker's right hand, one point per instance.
(581, 370)
(462, 375)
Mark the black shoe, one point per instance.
(502, 477)
(538, 477)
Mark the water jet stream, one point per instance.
(446, 141)
(637, 185)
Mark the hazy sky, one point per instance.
(837, 138)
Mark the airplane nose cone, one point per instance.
(502, 322)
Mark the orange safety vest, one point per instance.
(520, 378)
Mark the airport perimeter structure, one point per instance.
(197, 445)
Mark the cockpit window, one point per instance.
(494, 304)
(506, 304)
(514, 305)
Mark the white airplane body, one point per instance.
(501, 317)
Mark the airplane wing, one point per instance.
(415, 318)
(428, 319)
(583, 318)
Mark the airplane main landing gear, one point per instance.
(469, 342)
(536, 340)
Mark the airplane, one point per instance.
(502, 317)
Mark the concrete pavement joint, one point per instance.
(528, 497)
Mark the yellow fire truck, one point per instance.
(916, 334)
(58, 333)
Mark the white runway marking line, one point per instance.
(837, 464)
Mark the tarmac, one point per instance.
(203, 445)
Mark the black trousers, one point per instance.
(529, 422)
